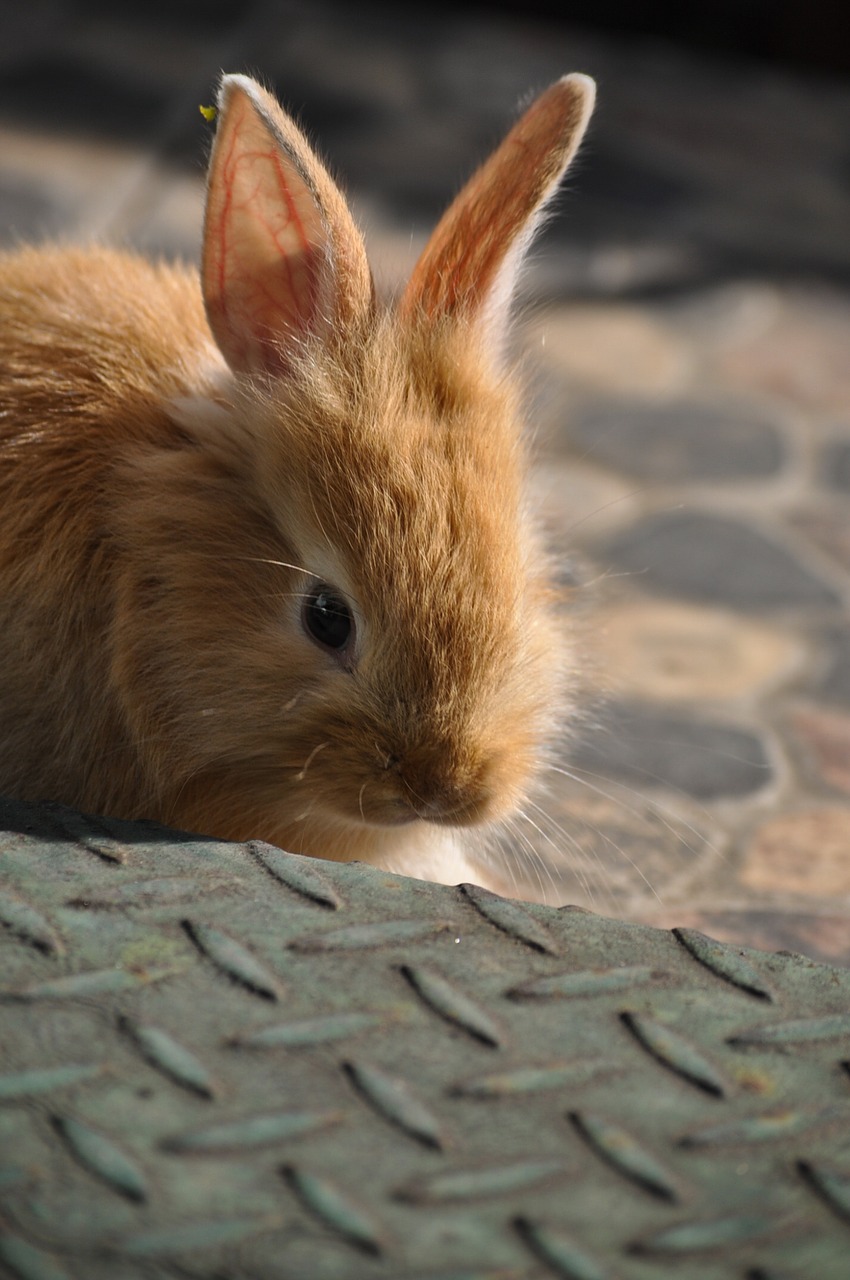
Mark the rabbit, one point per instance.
(267, 564)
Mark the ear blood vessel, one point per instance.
(266, 562)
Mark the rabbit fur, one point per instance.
(185, 462)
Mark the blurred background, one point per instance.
(720, 144)
(685, 321)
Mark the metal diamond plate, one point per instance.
(221, 1062)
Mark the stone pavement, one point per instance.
(686, 322)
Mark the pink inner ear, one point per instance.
(469, 264)
(265, 245)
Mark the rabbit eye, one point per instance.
(327, 618)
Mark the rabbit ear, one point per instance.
(470, 264)
(282, 257)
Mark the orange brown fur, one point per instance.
(163, 517)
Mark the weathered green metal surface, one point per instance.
(221, 1061)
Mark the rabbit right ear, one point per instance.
(469, 266)
(282, 257)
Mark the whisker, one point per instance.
(531, 854)
(297, 840)
(623, 497)
(542, 865)
(623, 853)
(591, 862)
(652, 804)
(302, 773)
(571, 839)
(514, 882)
(609, 575)
(280, 564)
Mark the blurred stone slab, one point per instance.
(827, 527)
(825, 736)
(652, 747)
(804, 852)
(700, 555)
(801, 358)
(833, 683)
(612, 349)
(835, 464)
(677, 441)
(679, 652)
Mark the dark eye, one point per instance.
(327, 618)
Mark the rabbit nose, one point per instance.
(441, 794)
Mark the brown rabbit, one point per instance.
(266, 567)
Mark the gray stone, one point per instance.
(687, 440)
(835, 464)
(649, 748)
(824, 525)
(711, 558)
(27, 212)
(835, 684)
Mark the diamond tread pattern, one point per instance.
(223, 1062)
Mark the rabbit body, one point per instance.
(266, 568)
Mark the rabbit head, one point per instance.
(377, 656)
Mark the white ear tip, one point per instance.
(233, 80)
(586, 85)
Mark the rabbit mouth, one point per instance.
(449, 810)
(395, 813)
(467, 815)
(404, 811)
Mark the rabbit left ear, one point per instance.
(282, 257)
(470, 264)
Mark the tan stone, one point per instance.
(807, 852)
(616, 349)
(60, 158)
(580, 501)
(87, 178)
(680, 652)
(164, 210)
(802, 358)
(828, 528)
(827, 735)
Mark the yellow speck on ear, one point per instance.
(209, 113)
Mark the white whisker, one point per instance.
(654, 805)
(577, 867)
(302, 773)
(532, 856)
(541, 864)
(623, 497)
(280, 564)
(621, 852)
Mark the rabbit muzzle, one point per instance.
(442, 789)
